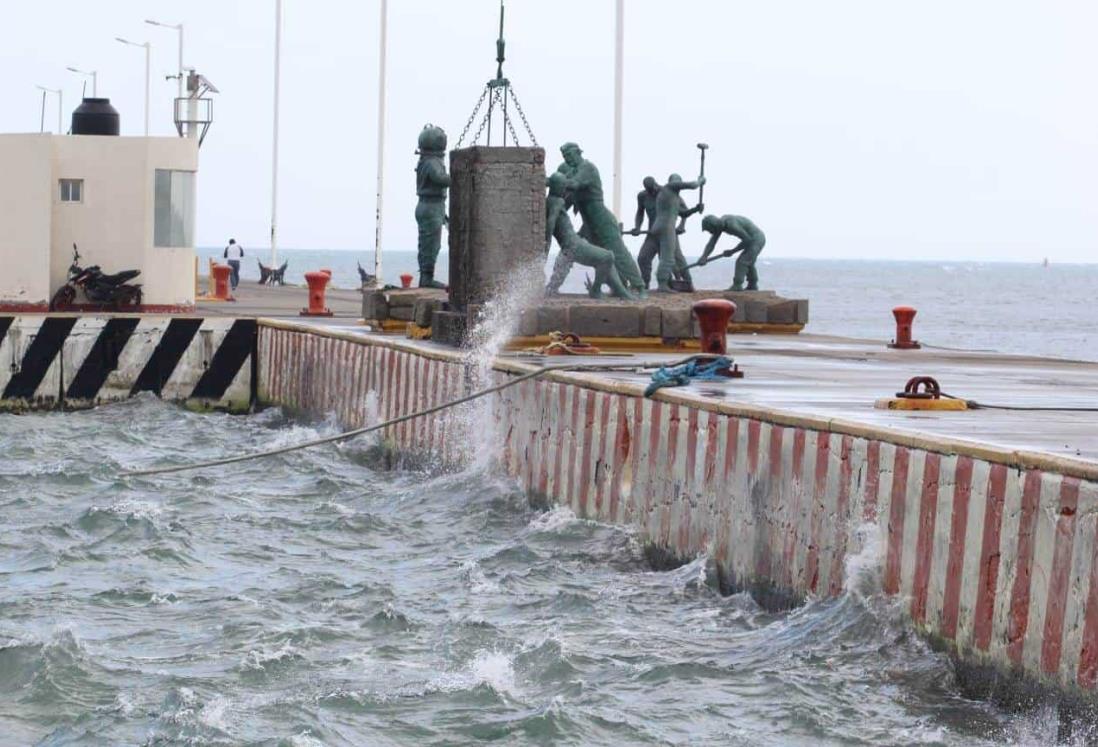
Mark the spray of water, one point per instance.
(479, 423)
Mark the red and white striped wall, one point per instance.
(998, 561)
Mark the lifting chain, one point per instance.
(473, 117)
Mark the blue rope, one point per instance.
(684, 374)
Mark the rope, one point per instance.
(395, 421)
(974, 405)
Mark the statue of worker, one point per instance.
(752, 241)
(668, 200)
(584, 191)
(558, 225)
(432, 182)
(646, 206)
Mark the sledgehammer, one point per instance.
(701, 172)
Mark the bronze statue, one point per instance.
(646, 206)
(432, 183)
(583, 190)
(668, 201)
(576, 249)
(752, 241)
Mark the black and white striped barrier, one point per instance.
(80, 361)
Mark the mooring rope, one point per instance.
(394, 421)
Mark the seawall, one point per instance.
(992, 551)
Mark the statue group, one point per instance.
(599, 243)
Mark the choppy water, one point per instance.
(309, 599)
(1017, 308)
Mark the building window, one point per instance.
(72, 190)
(173, 210)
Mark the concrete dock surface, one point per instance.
(832, 377)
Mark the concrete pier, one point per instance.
(984, 522)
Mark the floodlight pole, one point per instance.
(93, 74)
(148, 60)
(382, 53)
(60, 106)
(619, 39)
(274, 138)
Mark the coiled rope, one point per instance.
(580, 368)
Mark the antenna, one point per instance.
(499, 93)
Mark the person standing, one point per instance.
(234, 252)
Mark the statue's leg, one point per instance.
(606, 273)
(647, 253)
(682, 269)
(743, 263)
(562, 265)
(752, 271)
(430, 215)
(667, 258)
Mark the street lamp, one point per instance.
(60, 97)
(178, 27)
(148, 51)
(93, 74)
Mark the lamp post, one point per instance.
(177, 27)
(619, 66)
(274, 135)
(93, 74)
(381, 59)
(60, 98)
(148, 51)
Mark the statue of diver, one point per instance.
(583, 190)
(573, 248)
(752, 241)
(647, 205)
(432, 183)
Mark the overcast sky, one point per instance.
(852, 128)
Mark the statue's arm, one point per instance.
(581, 177)
(551, 218)
(437, 175)
(709, 247)
(639, 219)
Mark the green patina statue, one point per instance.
(647, 204)
(583, 190)
(752, 241)
(432, 182)
(575, 249)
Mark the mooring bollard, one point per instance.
(905, 316)
(713, 315)
(221, 275)
(406, 280)
(318, 282)
(326, 271)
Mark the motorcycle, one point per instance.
(99, 288)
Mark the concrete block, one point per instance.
(551, 319)
(677, 324)
(497, 220)
(402, 298)
(782, 312)
(423, 310)
(802, 310)
(448, 328)
(606, 321)
(741, 312)
(374, 305)
(755, 312)
(403, 313)
(528, 323)
(652, 322)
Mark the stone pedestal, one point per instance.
(497, 219)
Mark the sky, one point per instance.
(848, 129)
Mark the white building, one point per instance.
(127, 202)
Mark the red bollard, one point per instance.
(221, 275)
(406, 280)
(327, 272)
(317, 281)
(905, 316)
(713, 315)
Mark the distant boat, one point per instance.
(1045, 263)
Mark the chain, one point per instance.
(522, 116)
(472, 117)
(496, 100)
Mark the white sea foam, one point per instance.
(552, 520)
(130, 508)
(478, 582)
(259, 659)
(862, 573)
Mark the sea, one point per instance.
(1004, 307)
(315, 598)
